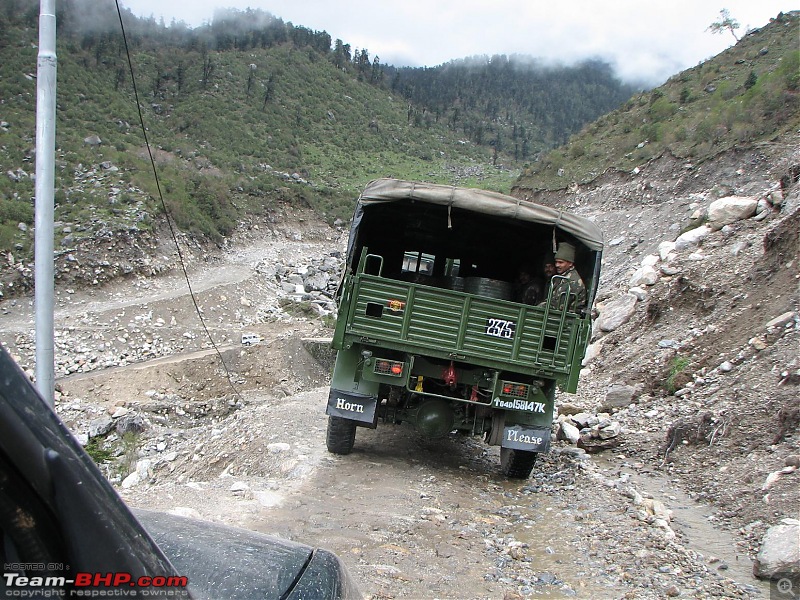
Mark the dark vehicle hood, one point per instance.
(223, 562)
(82, 522)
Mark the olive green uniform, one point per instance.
(572, 284)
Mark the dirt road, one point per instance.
(244, 444)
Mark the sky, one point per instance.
(646, 41)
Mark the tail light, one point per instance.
(389, 367)
(515, 390)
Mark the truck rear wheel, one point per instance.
(341, 435)
(517, 464)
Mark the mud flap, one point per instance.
(352, 406)
(525, 437)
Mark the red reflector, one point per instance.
(396, 305)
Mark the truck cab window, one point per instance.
(418, 262)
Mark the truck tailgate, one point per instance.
(455, 325)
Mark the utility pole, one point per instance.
(44, 262)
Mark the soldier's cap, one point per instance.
(566, 252)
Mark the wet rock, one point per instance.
(780, 553)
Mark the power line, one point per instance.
(164, 206)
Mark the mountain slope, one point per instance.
(694, 349)
(243, 113)
(745, 95)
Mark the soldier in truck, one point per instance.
(572, 285)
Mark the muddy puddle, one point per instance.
(694, 522)
(432, 519)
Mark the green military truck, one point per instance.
(429, 331)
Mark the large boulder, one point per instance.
(618, 396)
(780, 552)
(729, 210)
(615, 312)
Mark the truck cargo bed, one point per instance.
(451, 324)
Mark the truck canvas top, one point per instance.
(477, 201)
(391, 208)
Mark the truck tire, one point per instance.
(517, 464)
(341, 435)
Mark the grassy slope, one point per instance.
(219, 150)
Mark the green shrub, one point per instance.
(97, 452)
(662, 109)
(14, 211)
(676, 374)
(8, 237)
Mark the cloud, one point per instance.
(647, 41)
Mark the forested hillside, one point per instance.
(513, 103)
(250, 110)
